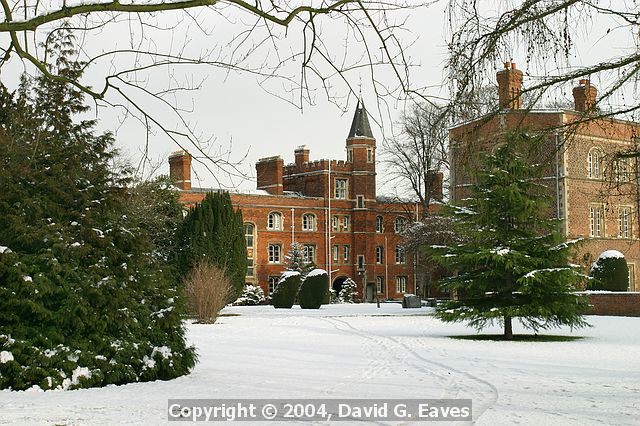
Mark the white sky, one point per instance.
(239, 114)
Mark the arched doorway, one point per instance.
(337, 284)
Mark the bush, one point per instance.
(349, 292)
(251, 295)
(314, 290)
(610, 272)
(286, 291)
(208, 288)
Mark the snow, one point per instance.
(316, 272)
(360, 351)
(4, 249)
(500, 251)
(534, 272)
(5, 357)
(287, 274)
(611, 254)
(27, 278)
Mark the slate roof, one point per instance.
(360, 127)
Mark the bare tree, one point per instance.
(547, 33)
(419, 152)
(282, 44)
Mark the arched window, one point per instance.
(248, 234)
(400, 224)
(309, 222)
(274, 221)
(378, 223)
(594, 163)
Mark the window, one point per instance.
(249, 267)
(594, 161)
(360, 202)
(309, 253)
(349, 155)
(624, 222)
(347, 253)
(596, 220)
(275, 253)
(401, 257)
(273, 282)
(379, 227)
(248, 234)
(400, 224)
(341, 189)
(336, 253)
(335, 223)
(379, 254)
(360, 262)
(369, 155)
(346, 220)
(308, 222)
(274, 221)
(622, 170)
(379, 284)
(401, 284)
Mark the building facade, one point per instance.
(591, 171)
(329, 207)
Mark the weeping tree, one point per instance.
(512, 263)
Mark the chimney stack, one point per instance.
(509, 86)
(584, 96)
(180, 169)
(302, 156)
(269, 174)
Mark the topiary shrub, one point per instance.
(251, 296)
(610, 272)
(314, 289)
(286, 291)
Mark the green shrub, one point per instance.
(286, 291)
(610, 272)
(314, 289)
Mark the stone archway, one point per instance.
(337, 284)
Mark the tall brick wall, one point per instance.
(614, 304)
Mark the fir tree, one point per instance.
(214, 230)
(82, 300)
(512, 262)
(296, 260)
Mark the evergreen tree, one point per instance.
(348, 292)
(609, 272)
(214, 230)
(296, 260)
(82, 300)
(512, 262)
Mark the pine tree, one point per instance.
(213, 229)
(512, 262)
(296, 260)
(82, 300)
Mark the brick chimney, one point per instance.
(269, 174)
(180, 169)
(302, 156)
(509, 86)
(584, 96)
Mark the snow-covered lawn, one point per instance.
(359, 351)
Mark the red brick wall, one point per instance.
(615, 304)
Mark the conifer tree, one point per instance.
(214, 230)
(512, 262)
(296, 260)
(83, 302)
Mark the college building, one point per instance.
(330, 208)
(590, 172)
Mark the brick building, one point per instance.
(595, 190)
(331, 208)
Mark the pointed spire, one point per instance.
(360, 127)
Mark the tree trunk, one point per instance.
(508, 330)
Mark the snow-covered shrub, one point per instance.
(609, 272)
(314, 289)
(251, 295)
(285, 293)
(348, 292)
(208, 288)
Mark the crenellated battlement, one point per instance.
(318, 165)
